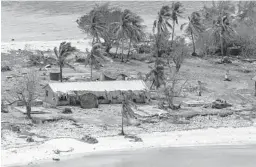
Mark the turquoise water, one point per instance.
(55, 20)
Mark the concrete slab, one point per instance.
(34, 110)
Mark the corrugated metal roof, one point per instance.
(100, 86)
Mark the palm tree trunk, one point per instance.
(122, 130)
(60, 73)
(129, 49)
(91, 70)
(193, 41)
(173, 28)
(122, 57)
(117, 48)
(221, 44)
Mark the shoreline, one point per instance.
(200, 137)
(80, 44)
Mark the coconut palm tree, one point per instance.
(161, 27)
(222, 31)
(124, 27)
(65, 50)
(127, 111)
(162, 24)
(137, 31)
(92, 24)
(194, 27)
(176, 12)
(95, 57)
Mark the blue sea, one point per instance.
(55, 20)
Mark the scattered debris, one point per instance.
(67, 111)
(56, 159)
(134, 138)
(219, 104)
(30, 139)
(89, 139)
(59, 151)
(5, 68)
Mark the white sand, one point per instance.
(221, 136)
(43, 45)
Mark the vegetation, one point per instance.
(95, 57)
(127, 111)
(194, 28)
(25, 91)
(176, 11)
(65, 50)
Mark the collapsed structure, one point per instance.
(76, 93)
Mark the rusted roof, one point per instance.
(99, 86)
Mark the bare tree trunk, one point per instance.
(122, 57)
(28, 108)
(173, 28)
(193, 41)
(60, 73)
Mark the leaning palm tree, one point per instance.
(65, 49)
(123, 28)
(176, 11)
(193, 28)
(92, 24)
(95, 57)
(127, 111)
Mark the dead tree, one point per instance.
(25, 91)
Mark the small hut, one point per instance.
(54, 76)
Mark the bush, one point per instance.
(142, 48)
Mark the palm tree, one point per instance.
(95, 57)
(222, 31)
(156, 75)
(162, 25)
(194, 28)
(124, 27)
(127, 112)
(176, 12)
(92, 24)
(137, 33)
(65, 49)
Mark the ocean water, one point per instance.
(55, 20)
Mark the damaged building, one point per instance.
(105, 92)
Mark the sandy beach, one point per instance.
(81, 44)
(44, 151)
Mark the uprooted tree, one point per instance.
(25, 91)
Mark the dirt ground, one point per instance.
(106, 120)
